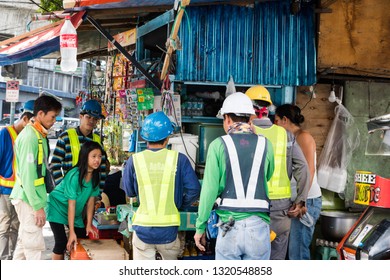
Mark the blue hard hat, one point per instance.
(93, 108)
(28, 107)
(156, 127)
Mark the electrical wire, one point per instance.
(177, 122)
(311, 97)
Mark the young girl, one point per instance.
(66, 202)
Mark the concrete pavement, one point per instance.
(49, 242)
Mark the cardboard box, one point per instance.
(106, 249)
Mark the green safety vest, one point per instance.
(10, 182)
(156, 188)
(279, 184)
(75, 144)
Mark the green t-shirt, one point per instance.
(69, 189)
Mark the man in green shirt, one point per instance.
(238, 166)
(29, 192)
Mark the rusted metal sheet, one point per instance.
(354, 39)
(258, 44)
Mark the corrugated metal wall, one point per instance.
(263, 44)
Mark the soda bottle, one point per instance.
(68, 46)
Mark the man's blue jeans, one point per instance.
(248, 239)
(301, 235)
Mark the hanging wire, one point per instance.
(311, 97)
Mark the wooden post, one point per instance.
(173, 37)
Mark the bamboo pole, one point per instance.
(173, 37)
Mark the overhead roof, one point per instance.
(113, 15)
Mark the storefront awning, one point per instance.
(107, 4)
(36, 43)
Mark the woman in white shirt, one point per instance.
(301, 234)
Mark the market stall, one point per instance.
(143, 75)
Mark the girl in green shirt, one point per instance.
(67, 201)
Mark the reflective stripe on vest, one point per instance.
(242, 200)
(279, 184)
(41, 179)
(10, 182)
(156, 188)
(75, 144)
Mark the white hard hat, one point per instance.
(237, 103)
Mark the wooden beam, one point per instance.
(126, 12)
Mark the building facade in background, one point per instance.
(37, 75)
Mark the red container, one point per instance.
(79, 253)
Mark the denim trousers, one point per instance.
(248, 239)
(301, 235)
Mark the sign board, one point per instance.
(371, 190)
(57, 68)
(125, 39)
(12, 91)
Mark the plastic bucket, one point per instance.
(190, 142)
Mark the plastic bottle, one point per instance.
(190, 107)
(68, 46)
(199, 107)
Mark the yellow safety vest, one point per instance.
(75, 144)
(41, 179)
(279, 184)
(156, 188)
(10, 182)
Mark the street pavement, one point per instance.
(49, 242)
(47, 233)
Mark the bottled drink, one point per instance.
(68, 46)
(190, 107)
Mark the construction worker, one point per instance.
(163, 181)
(238, 166)
(68, 145)
(289, 160)
(29, 192)
(9, 225)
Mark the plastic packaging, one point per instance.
(343, 138)
(68, 46)
(230, 87)
(307, 220)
